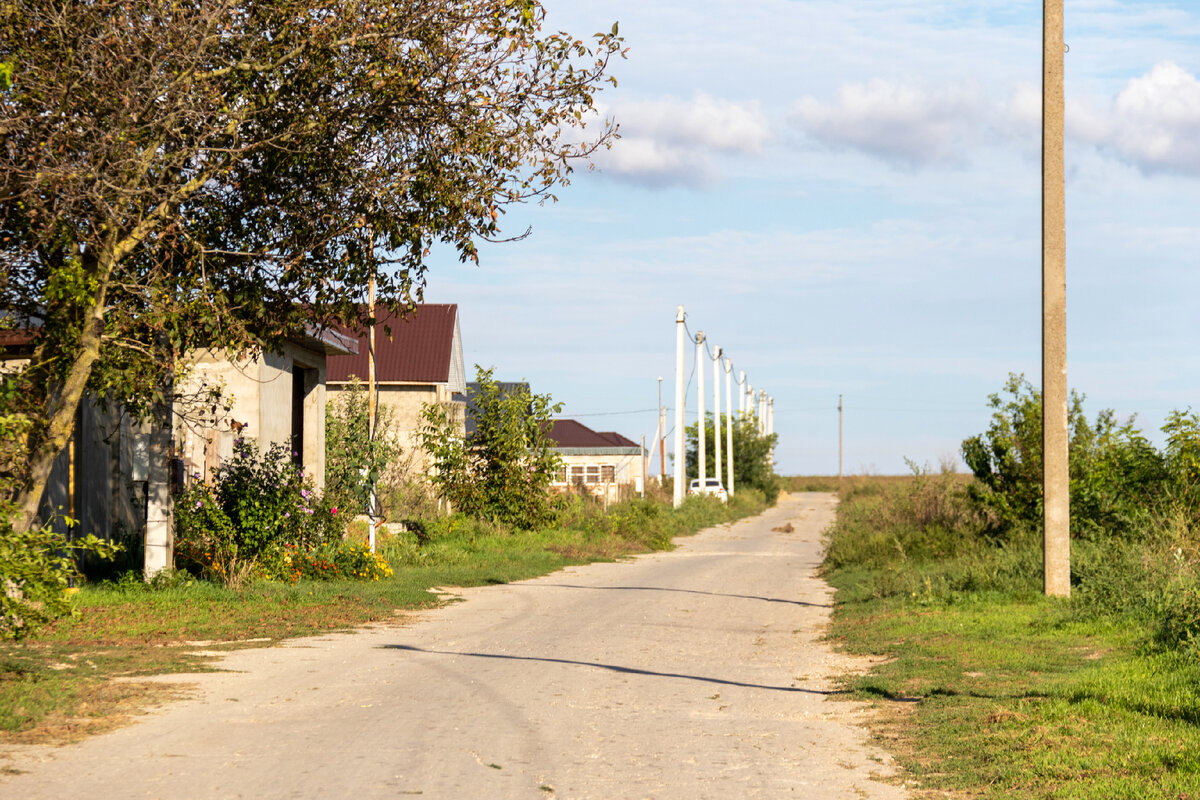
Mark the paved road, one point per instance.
(697, 673)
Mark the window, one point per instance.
(608, 473)
(560, 475)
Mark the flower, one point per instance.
(333, 511)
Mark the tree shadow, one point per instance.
(616, 668)
(684, 591)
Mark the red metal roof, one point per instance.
(569, 433)
(418, 350)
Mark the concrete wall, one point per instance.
(263, 392)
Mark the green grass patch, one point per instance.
(989, 690)
(79, 675)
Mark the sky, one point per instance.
(845, 196)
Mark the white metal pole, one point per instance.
(679, 404)
(729, 424)
(701, 463)
(717, 412)
(372, 400)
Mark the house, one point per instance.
(606, 464)
(418, 360)
(119, 473)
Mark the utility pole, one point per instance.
(701, 464)
(662, 438)
(645, 466)
(680, 400)
(750, 409)
(839, 439)
(371, 405)
(729, 424)
(717, 412)
(1056, 564)
(762, 412)
(742, 391)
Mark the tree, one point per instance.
(353, 461)
(502, 470)
(178, 174)
(1115, 471)
(752, 465)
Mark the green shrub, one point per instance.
(1116, 474)
(36, 569)
(256, 504)
(503, 470)
(354, 462)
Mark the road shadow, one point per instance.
(684, 591)
(615, 668)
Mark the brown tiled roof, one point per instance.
(569, 433)
(617, 439)
(419, 348)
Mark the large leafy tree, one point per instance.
(183, 173)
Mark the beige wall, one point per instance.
(402, 403)
(628, 474)
(260, 391)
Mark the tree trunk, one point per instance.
(62, 402)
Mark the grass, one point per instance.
(84, 675)
(985, 688)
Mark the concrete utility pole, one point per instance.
(701, 464)
(679, 404)
(729, 424)
(839, 438)
(717, 412)
(1056, 563)
(662, 438)
(742, 391)
(762, 412)
(750, 409)
(645, 466)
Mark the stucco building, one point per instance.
(605, 464)
(418, 360)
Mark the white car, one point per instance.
(711, 486)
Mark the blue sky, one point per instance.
(845, 197)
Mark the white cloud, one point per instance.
(906, 125)
(675, 142)
(1154, 122)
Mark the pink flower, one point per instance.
(333, 511)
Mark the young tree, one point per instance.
(186, 173)
(752, 465)
(502, 470)
(353, 461)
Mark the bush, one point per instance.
(36, 569)
(503, 470)
(1116, 474)
(255, 504)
